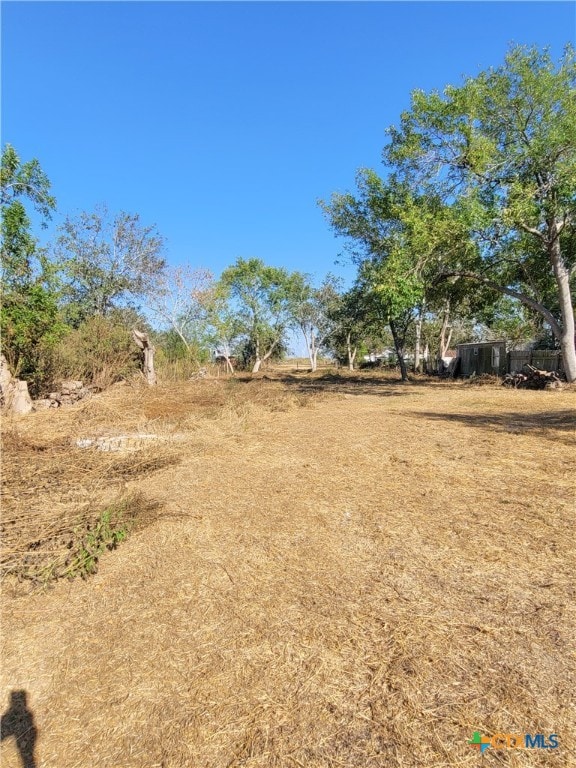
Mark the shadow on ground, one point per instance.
(343, 385)
(540, 424)
(18, 722)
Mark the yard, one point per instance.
(324, 571)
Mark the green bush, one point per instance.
(31, 328)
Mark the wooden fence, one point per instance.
(544, 359)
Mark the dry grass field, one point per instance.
(321, 572)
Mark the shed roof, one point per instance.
(480, 344)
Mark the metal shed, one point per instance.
(483, 357)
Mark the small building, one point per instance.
(482, 357)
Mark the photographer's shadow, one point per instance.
(18, 721)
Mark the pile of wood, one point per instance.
(533, 378)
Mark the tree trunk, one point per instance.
(314, 360)
(351, 352)
(5, 379)
(143, 342)
(313, 352)
(445, 343)
(149, 371)
(258, 361)
(351, 358)
(417, 362)
(567, 332)
(399, 346)
(181, 335)
(309, 343)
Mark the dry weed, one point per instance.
(364, 583)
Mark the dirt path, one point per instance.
(322, 591)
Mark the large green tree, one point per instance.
(350, 330)
(500, 151)
(375, 224)
(262, 299)
(21, 183)
(29, 315)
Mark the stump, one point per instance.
(143, 342)
(14, 392)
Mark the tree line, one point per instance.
(469, 233)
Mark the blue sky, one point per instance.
(224, 122)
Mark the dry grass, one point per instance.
(54, 492)
(345, 571)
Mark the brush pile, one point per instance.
(533, 378)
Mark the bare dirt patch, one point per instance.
(344, 571)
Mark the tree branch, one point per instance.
(533, 231)
(535, 305)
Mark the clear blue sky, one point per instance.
(224, 122)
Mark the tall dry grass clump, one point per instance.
(99, 352)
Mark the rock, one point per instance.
(41, 404)
(71, 385)
(20, 402)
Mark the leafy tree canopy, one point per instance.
(262, 298)
(500, 152)
(108, 261)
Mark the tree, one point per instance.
(501, 151)
(179, 297)
(391, 294)
(349, 326)
(18, 182)
(226, 328)
(109, 262)
(29, 316)
(314, 312)
(262, 299)
(380, 243)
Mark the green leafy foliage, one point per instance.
(382, 238)
(314, 312)
(108, 261)
(106, 533)
(500, 152)
(261, 298)
(29, 316)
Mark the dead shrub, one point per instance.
(99, 352)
